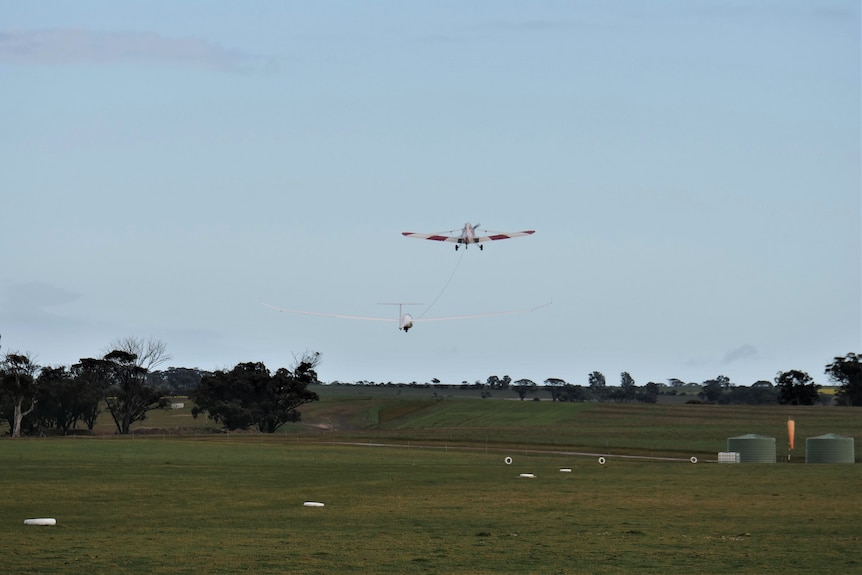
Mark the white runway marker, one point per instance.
(41, 521)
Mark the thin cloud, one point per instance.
(67, 47)
(744, 351)
(36, 297)
(533, 25)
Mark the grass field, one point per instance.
(443, 500)
(638, 429)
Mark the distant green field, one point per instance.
(663, 429)
(382, 414)
(234, 503)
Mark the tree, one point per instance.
(847, 371)
(92, 380)
(57, 399)
(523, 387)
(18, 384)
(66, 396)
(289, 390)
(796, 388)
(575, 393)
(129, 397)
(179, 380)
(628, 389)
(249, 395)
(495, 382)
(555, 386)
(714, 388)
(598, 385)
(760, 393)
(649, 394)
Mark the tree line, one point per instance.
(793, 387)
(124, 382)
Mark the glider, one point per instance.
(469, 234)
(405, 320)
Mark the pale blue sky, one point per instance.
(692, 171)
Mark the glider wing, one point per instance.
(339, 315)
(472, 315)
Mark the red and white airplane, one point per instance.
(469, 235)
(405, 320)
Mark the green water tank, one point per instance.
(830, 448)
(753, 448)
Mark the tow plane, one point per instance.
(469, 234)
(404, 320)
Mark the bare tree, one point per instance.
(128, 395)
(18, 383)
(149, 353)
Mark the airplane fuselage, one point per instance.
(468, 236)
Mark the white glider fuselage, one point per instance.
(405, 320)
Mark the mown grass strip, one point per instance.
(233, 504)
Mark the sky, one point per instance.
(691, 169)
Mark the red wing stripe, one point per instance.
(436, 237)
(510, 235)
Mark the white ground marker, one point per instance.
(41, 521)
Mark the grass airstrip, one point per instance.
(422, 485)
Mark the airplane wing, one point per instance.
(435, 237)
(459, 239)
(342, 316)
(503, 236)
(489, 314)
